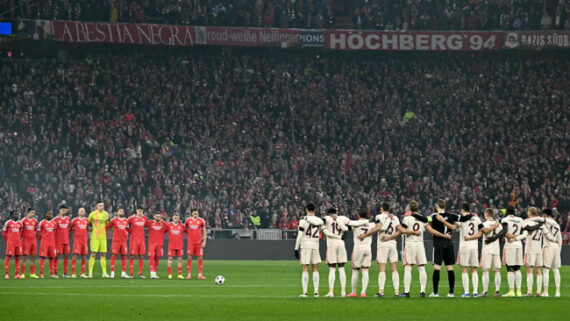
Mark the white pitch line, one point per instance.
(150, 295)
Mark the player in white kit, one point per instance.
(491, 252)
(512, 251)
(532, 232)
(551, 252)
(468, 256)
(361, 253)
(414, 251)
(307, 247)
(336, 249)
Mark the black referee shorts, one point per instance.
(443, 252)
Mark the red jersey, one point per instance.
(156, 231)
(120, 228)
(136, 227)
(175, 234)
(79, 228)
(194, 229)
(62, 231)
(30, 226)
(12, 232)
(47, 232)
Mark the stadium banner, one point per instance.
(413, 40)
(250, 37)
(537, 39)
(124, 33)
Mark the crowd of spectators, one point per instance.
(237, 132)
(366, 14)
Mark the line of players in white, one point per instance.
(540, 232)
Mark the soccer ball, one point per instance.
(220, 280)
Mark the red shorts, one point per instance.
(79, 248)
(119, 248)
(13, 249)
(30, 248)
(138, 248)
(175, 252)
(155, 250)
(48, 251)
(195, 249)
(62, 249)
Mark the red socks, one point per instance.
(113, 258)
(200, 265)
(189, 266)
(179, 269)
(17, 262)
(170, 270)
(42, 263)
(123, 263)
(83, 264)
(7, 264)
(65, 264)
(55, 265)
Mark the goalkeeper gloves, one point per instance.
(296, 254)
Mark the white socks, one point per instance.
(556, 273)
(475, 281)
(342, 278)
(539, 283)
(529, 281)
(305, 281)
(486, 281)
(518, 280)
(316, 281)
(354, 280)
(511, 281)
(396, 282)
(407, 278)
(365, 280)
(465, 280)
(381, 281)
(497, 281)
(332, 276)
(423, 278)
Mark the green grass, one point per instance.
(256, 290)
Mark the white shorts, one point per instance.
(551, 257)
(512, 256)
(387, 254)
(336, 255)
(533, 259)
(415, 255)
(468, 258)
(361, 259)
(490, 261)
(310, 256)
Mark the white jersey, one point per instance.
(311, 235)
(554, 230)
(494, 247)
(333, 225)
(514, 227)
(366, 243)
(469, 228)
(411, 223)
(533, 239)
(388, 228)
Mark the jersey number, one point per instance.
(310, 233)
(537, 235)
(416, 227)
(336, 229)
(390, 229)
(515, 229)
(471, 229)
(554, 231)
(364, 231)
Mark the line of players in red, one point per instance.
(54, 235)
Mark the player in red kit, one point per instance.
(79, 227)
(63, 223)
(120, 226)
(137, 224)
(46, 234)
(29, 242)
(156, 230)
(196, 230)
(175, 244)
(12, 233)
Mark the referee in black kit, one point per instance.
(442, 224)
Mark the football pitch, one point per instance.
(259, 290)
